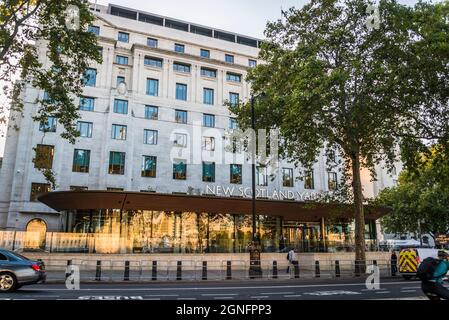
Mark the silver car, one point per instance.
(17, 271)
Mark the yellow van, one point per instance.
(410, 258)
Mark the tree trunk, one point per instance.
(360, 257)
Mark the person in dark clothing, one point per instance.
(394, 263)
(434, 288)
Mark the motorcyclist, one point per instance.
(434, 288)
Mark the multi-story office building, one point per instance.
(163, 87)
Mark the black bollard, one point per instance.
(154, 271)
(204, 273)
(317, 269)
(228, 270)
(179, 270)
(69, 263)
(275, 269)
(98, 271)
(296, 268)
(126, 274)
(337, 269)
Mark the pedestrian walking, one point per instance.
(394, 263)
(291, 256)
(431, 272)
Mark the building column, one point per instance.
(323, 232)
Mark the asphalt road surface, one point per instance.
(298, 289)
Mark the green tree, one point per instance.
(70, 48)
(420, 201)
(331, 82)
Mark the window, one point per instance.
(78, 188)
(181, 91)
(154, 62)
(114, 189)
(236, 174)
(152, 43)
(209, 143)
(152, 87)
(331, 155)
(149, 166)
(205, 53)
(121, 106)
(181, 67)
(252, 63)
(87, 104)
(179, 170)
(181, 116)
(208, 96)
(94, 29)
(262, 176)
(151, 112)
(100, 51)
(119, 132)
(209, 120)
(49, 125)
(210, 73)
(229, 58)
(121, 60)
(116, 162)
(85, 129)
(179, 48)
(120, 79)
(123, 37)
(149, 136)
(233, 77)
(287, 177)
(38, 189)
(234, 98)
(209, 171)
(309, 181)
(81, 160)
(233, 123)
(332, 180)
(180, 140)
(90, 77)
(44, 156)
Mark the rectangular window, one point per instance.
(94, 29)
(205, 53)
(210, 73)
(38, 189)
(123, 37)
(181, 67)
(152, 43)
(179, 170)
(44, 156)
(49, 125)
(309, 181)
(121, 106)
(181, 116)
(209, 171)
(180, 140)
(87, 104)
(234, 98)
(209, 120)
(233, 77)
(229, 58)
(208, 96)
(332, 180)
(262, 176)
(252, 63)
(149, 164)
(233, 123)
(179, 48)
(152, 87)
(287, 177)
(85, 129)
(116, 162)
(121, 60)
(81, 160)
(150, 137)
(90, 77)
(209, 143)
(120, 79)
(151, 112)
(236, 174)
(119, 132)
(181, 91)
(154, 62)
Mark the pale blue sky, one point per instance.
(247, 17)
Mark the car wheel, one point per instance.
(8, 282)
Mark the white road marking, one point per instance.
(186, 298)
(270, 293)
(219, 294)
(161, 295)
(382, 292)
(259, 297)
(293, 296)
(406, 291)
(223, 298)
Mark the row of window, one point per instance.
(178, 47)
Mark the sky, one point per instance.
(247, 17)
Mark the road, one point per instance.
(298, 289)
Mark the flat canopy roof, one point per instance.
(290, 210)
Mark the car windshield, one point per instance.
(15, 256)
